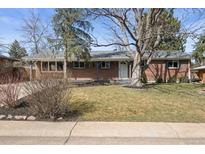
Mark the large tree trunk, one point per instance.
(136, 72)
(65, 69)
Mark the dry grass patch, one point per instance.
(165, 102)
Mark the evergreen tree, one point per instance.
(71, 26)
(16, 51)
(171, 39)
(199, 50)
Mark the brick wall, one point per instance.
(88, 73)
(158, 69)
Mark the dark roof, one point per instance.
(169, 55)
(108, 55)
(199, 68)
(8, 58)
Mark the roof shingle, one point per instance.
(109, 55)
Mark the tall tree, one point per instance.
(199, 50)
(35, 31)
(137, 30)
(16, 51)
(72, 30)
(174, 40)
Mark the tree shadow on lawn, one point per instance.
(144, 87)
(170, 88)
(179, 88)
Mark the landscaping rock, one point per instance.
(2, 117)
(9, 116)
(52, 117)
(20, 117)
(61, 118)
(31, 118)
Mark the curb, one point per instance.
(102, 129)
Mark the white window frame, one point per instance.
(78, 67)
(172, 67)
(105, 67)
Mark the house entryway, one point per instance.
(123, 70)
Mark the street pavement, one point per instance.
(100, 133)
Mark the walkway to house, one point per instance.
(22, 132)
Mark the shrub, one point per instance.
(159, 80)
(10, 91)
(48, 98)
(172, 80)
(184, 79)
(144, 78)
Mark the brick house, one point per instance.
(110, 65)
(6, 61)
(7, 68)
(200, 71)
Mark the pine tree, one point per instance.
(171, 40)
(16, 51)
(199, 50)
(72, 27)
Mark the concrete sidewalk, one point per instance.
(23, 132)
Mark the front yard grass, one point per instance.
(160, 103)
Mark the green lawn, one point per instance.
(164, 102)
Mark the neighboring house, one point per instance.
(111, 65)
(7, 70)
(6, 61)
(200, 70)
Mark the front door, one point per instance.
(123, 70)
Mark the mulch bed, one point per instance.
(14, 111)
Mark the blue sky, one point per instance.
(11, 22)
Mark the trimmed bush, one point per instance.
(48, 99)
(184, 79)
(172, 80)
(159, 80)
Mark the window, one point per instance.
(143, 63)
(173, 64)
(45, 66)
(52, 66)
(59, 66)
(105, 65)
(78, 65)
